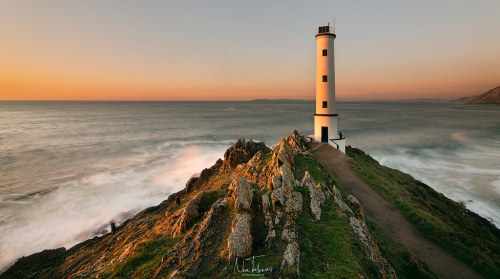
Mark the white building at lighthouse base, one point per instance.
(325, 130)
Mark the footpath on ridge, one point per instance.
(388, 218)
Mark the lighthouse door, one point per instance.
(324, 134)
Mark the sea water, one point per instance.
(68, 168)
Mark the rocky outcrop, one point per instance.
(242, 194)
(190, 184)
(184, 217)
(216, 208)
(316, 194)
(293, 204)
(291, 258)
(371, 248)
(205, 176)
(356, 205)
(242, 151)
(339, 202)
(369, 243)
(240, 241)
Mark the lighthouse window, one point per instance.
(325, 78)
(325, 104)
(325, 52)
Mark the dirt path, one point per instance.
(388, 217)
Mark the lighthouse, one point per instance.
(325, 118)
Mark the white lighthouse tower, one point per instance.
(325, 118)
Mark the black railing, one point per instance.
(332, 140)
(325, 30)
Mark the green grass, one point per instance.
(461, 232)
(329, 248)
(144, 259)
(267, 157)
(320, 175)
(317, 171)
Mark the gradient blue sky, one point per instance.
(240, 50)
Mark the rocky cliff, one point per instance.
(266, 212)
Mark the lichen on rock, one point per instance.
(242, 193)
(316, 194)
(339, 201)
(371, 248)
(240, 241)
(291, 258)
(358, 209)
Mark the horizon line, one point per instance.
(250, 100)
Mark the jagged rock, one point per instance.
(174, 275)
(266, 207)
(297, 141)
(358, 209)
(240, 240)
(340, 202)
(316, 194)
(291, 258)
(287, 149)
(220, 204)
(371, 248)
(307, 180)
(284, 154)
(278, 197)
(217, 207)
(265, 202)
(270, 237)
(242, 151)
(293, 204)
(206, 174)
(287, 177)
(187, 214)
(276, 182)
(326, 190)
(254, 166)
(289, 230)
(289, 234)
(190, 184)
(242, 194)
(278, 216)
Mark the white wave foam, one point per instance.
(78, 208)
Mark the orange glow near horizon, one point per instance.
(79, 86)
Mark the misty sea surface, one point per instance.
(68, 168)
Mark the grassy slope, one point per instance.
(461, 232)
(329, 249)
(144, 260)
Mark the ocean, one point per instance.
(68, 168)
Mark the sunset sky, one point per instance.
(242, 50)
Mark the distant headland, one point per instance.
(490, 97)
